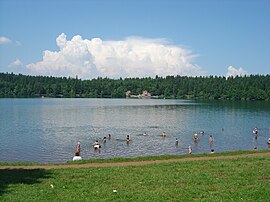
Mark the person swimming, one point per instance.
(96, 145)
(196, 137)
(127, 138)
(255, 131)
(104, 140)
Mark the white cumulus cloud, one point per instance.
(16, 63)
(132, 57)
(4, 40)
(232, 71)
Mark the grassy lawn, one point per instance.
(244, 179)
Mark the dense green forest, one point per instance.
(253, 87)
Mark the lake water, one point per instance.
(47, 130)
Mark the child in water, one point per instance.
(189, 149)
(127, 138)
(196, 137)
(255, 132)
(78, 149)
(211, 139)
(176, 141)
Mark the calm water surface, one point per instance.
(47, 130)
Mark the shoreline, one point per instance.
(186, 158)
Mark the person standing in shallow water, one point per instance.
(176, 142)
(127, 138)
(211, 140)
(196, 137)
(189, 149)
(78, 149)
(255, 132)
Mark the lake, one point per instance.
(47, 130)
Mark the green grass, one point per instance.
(144, 158)
(165, 157)
(244, 179)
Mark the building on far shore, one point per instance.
(145, 95)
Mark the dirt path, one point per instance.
(89, 165)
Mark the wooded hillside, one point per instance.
(253, 87)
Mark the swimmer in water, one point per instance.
(176, 141)
(128, 138)
(255, 132)
(196, 138)
(163, 134)
(96, 145)
(211, 139)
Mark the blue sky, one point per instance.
(116, 38)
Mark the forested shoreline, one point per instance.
(253, 87)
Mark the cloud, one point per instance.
(16, 63)
(131, 57)
(4, 40)
(236, 72)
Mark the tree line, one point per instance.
(253, 87)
